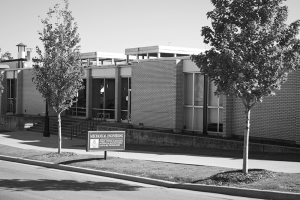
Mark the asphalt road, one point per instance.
(19, 181)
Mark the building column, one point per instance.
(19, 93)
(158, 55)
(89, 90)
(179, 97)
(118, 93)
(97, 62)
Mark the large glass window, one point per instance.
(103, 102)
(194, 105)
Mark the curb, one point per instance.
(252, 193)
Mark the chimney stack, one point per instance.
(28, 57)
(21, 50)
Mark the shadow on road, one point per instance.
(67, 185)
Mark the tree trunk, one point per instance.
(246, 142)
(59, 133)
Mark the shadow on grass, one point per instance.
(80, 160)
(63, 185)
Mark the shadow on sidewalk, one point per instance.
(37, 139)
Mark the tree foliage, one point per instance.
(58, 73)
(6, 56)
(252, 49)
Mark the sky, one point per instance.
(114, 25)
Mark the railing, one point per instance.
(84, 127)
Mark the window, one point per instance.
(103, 102)
(194, 105)
(11, 96)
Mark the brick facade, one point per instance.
(276, 117)
(178, 97)
(33, 101)
(154, 93)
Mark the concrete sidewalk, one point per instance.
(34, 140)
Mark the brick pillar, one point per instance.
(118, 94)
(227, 115)
(3, 105)
(179, 97)
(19, 106)
(89, 95)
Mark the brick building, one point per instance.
(161, 87)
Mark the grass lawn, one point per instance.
(255, 179)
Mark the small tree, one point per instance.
(58, 74)
(252, 51)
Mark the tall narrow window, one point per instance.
(103, 102)
(125, 99)
(194, 105)
(215, 110)
(11, 96)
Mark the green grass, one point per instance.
(181, 173)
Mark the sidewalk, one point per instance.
(34, 140)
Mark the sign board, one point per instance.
(105, 140)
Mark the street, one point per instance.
(19, 181)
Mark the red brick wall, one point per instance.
(154, 93)
(276, 117)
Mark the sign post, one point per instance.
(105, 140)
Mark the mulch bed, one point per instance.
(237, 177)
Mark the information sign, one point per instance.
(105, 140)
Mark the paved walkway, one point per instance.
(34, 140)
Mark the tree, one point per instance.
(58, 73)
(6, 56)
(252, 52)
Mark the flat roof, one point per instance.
(162, 49)
(102, 55)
